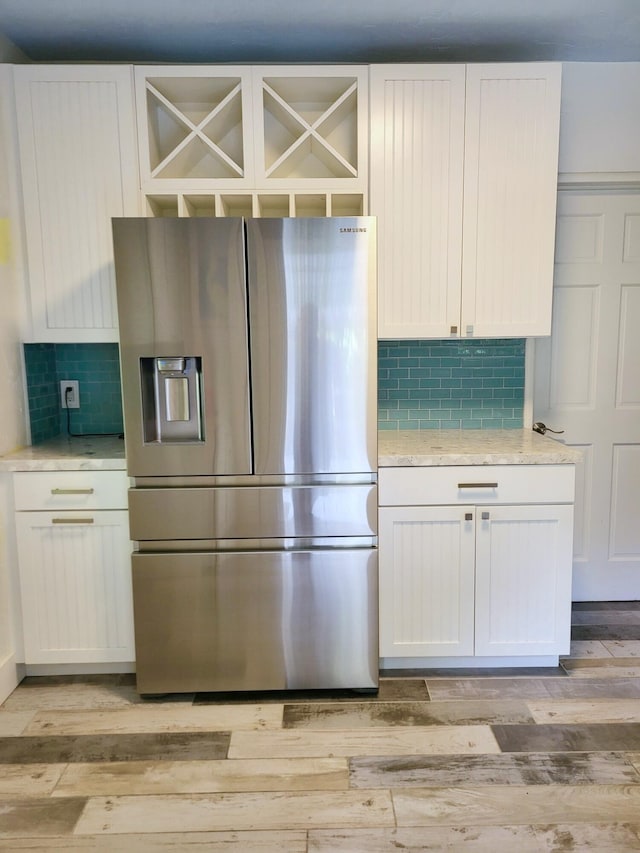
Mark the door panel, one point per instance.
(181, 293)
(312, 308)
(586, 382)
(256, 620)
(426, 581)
(265, 512)
(523, 580)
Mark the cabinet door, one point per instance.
(77, 151)
(75, 577)
(510, 186)
(426, 558)
(523, 580)
(417, 151)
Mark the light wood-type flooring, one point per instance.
(500, 760)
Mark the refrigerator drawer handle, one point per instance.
(71, 521)
(72, 491)
(477, 485)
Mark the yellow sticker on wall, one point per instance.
(5, 241)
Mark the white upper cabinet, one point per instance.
(463, 181)
(78, 161)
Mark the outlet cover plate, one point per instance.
(73, 400)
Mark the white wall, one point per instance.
(600, 118)
(13, 432)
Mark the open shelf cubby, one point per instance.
(310, 127)
(255, 204)
(195, 127)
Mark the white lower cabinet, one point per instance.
(75, 567)
(475, 577)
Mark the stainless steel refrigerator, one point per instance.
(248, 361)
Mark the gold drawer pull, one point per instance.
(71, 521)
(477, 485)
(72, 491)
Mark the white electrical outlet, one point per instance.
(69, 399)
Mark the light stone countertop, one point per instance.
(403, 448)
(64, 453)
(396, 448)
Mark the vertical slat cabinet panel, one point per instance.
(523, 580)
(79, 168)
(417, 152)
(510, 187)
(426, 581)
(75, 580)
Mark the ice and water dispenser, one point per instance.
(172, 399)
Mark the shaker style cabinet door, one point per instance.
(79, 168)
(463, 180)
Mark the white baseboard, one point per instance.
(79, 668)
(515, 661)
(11, 674)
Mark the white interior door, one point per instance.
(587, 382)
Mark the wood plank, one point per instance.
(414, 740)
(528, 804)
(603, 838)
(192, 777)
(151, 747)
(592, 737)
(174, 717)
(368, 715)
(577, 768)
(212, 842)
(224, 812)
(591, 711)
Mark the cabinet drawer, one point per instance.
(52, 490)
(476, 484)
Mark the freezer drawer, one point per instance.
(262, 512)
(256, 620)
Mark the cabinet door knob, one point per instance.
(485, 516)
(453, 330)
(468, 516)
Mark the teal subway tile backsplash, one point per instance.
(42, 391)
(97, 369)
(426, 384)
(451, 384)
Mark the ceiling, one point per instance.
(264, 31)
